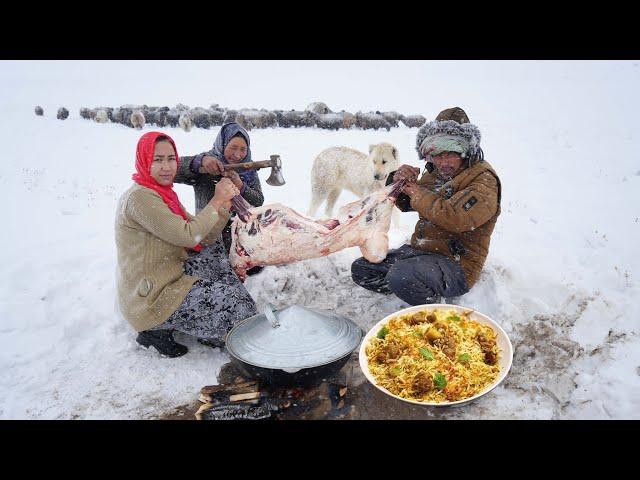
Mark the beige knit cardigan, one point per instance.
(151, 243)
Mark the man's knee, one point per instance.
(426, 278)
(408, 286)
(369, 275)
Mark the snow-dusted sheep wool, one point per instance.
(63, 113)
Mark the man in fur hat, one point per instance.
(458, 201)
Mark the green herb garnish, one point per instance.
(426, 353)
(383, 332)
(439, 380)
(454, 317)
(465, 357)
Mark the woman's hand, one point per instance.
(234, 177)
(212, 165)
(225, 191)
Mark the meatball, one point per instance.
(422, 383)
(487, 345)
(416, 319)
(449, 347)
(490, 358)
(389, 351)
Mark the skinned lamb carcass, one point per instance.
(277, 235)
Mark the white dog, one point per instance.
(338, 168)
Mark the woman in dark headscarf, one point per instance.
(203, 171)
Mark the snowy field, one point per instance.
(561, 276)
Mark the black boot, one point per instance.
(162, 341)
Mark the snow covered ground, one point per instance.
(561, 276)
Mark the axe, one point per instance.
(276, 179)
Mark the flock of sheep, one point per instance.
(315, 115)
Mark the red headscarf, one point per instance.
(144, 158)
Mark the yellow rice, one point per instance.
(466, 374)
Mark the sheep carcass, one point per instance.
(277, 235)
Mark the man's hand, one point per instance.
(410, 189)
(234, 177)
(407, 173)
(212, 165)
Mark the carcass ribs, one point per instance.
(277, 235)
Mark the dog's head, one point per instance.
(385, 160)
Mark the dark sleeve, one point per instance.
(186, 173)
(253, 192)
(403, 201)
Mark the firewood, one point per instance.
(223, 395)
(210, 389)
(244, 396)
(343, 390)
(203, 408)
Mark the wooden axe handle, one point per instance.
(249, 165)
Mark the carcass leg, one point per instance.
(375, 247)
(395, 218)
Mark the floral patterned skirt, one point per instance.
(216, 302)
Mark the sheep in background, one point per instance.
(158, 116)
(173, 116)
(108, 110)
(185, 122)
(285, 119)
(371, 120)
(216, 116)
(278, 114)
(318, 108)
(101, 116)
(63, 113)
(269, 119)
(39, 111)
(87, 113)
(329, 121)
(230, 116)
(413, 120)
(296, 118)
(137, 119)
(122, 116)
(201, 117)
(391, 117)
(348, 119)
(251, 118)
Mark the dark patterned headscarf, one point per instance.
(227, 132)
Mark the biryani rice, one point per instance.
(415, 349)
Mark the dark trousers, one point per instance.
(415, 276)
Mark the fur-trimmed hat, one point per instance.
(452, 122)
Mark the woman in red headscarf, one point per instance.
(172, 274)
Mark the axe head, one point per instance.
(276, 179)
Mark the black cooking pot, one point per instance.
(292, 346)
